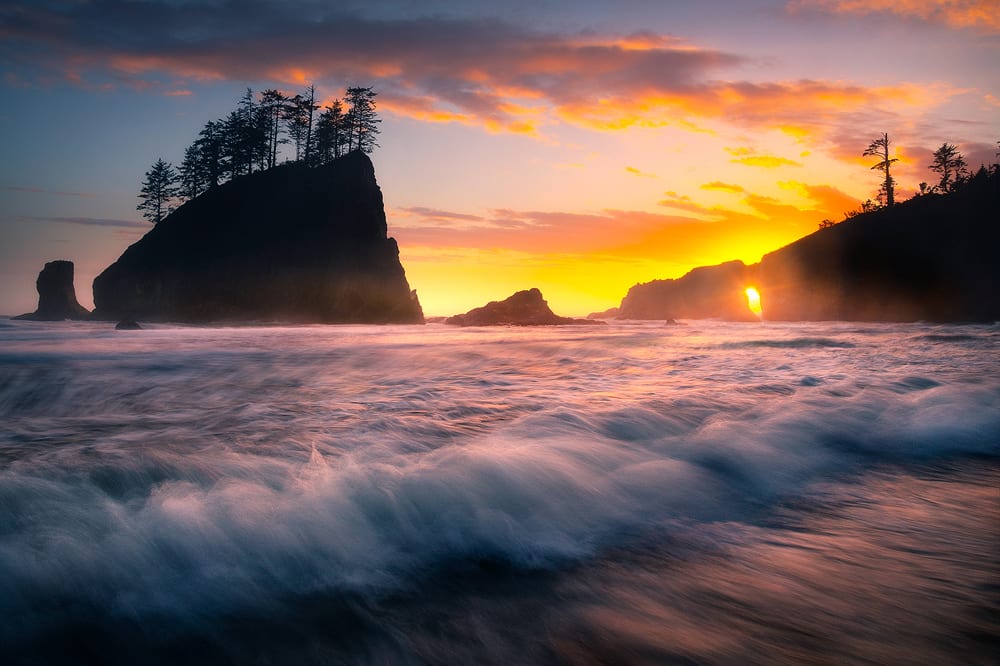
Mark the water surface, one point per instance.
(636, 493)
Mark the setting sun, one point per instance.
(753, 301)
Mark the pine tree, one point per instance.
(191, 174)
(880, 148)
(950, 164)
(362, 119)
(331, 132)
(296, 121)
(310, 106)
(210, 147)
(272, 105)
(159, 190)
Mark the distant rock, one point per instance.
(707, 292)
(56, 294)
(610, 313)
(128, 325)
(291, 244)
(524, 308)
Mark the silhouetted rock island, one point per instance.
(293, 244)
(932, 258)
(56, 294)
(524, 308)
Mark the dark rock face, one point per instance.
(524, 308)
(932, 258)
(293, 244)
(703, 293)
(56, 294)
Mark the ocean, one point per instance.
(636, 493)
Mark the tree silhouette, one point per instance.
(298, 118)
(192, 177)
(950, 165)
(880, 148)
(309, 102)
(159, 189)
(331, 132)
(210, 147)
(362, 119)
(272, 110)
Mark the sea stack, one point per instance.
(56, 294)
(291, 244)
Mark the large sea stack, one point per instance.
(56, 294)
(291, 244)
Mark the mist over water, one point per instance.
(636, 493)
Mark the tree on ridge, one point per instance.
(159, 189)
(950, 165)
(362, 120)
(880, 148)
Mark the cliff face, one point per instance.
(294, 244)
(703, 293)
(56, 294)
(932, 258)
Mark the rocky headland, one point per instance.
(932, 258)
(292, 244)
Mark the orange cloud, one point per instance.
(508, 78)
(982, 15)
(723, 187)
(765, 161)
(483, 73)
(639, 173)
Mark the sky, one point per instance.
(578, 147)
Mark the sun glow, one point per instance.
(753, 301)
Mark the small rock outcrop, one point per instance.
(524, 308)
(290, 244)
(128, 325)
(56, 294)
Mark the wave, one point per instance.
(794, 343)
(952, 337)
(212, 530)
